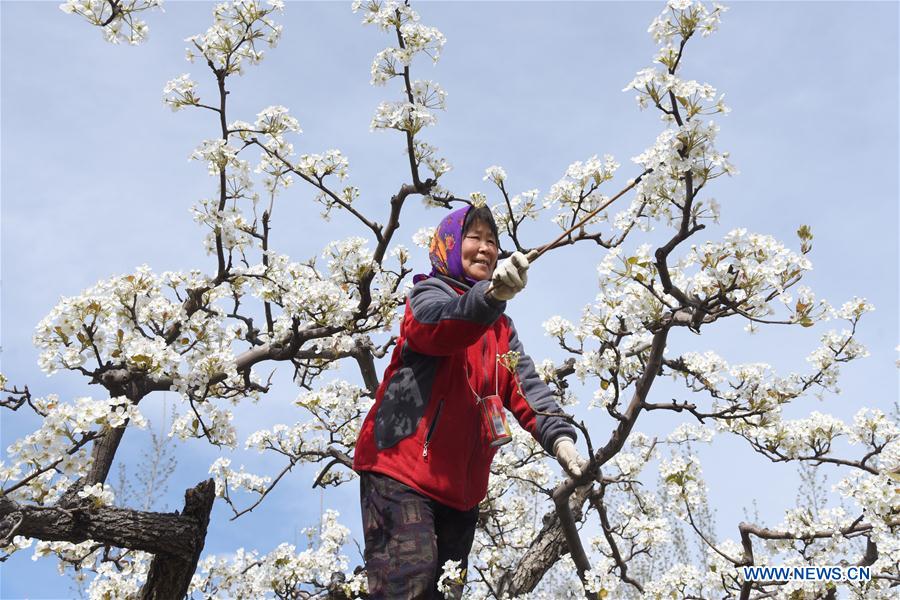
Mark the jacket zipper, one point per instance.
(485, 384)
(431, 428)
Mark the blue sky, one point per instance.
(96, 181)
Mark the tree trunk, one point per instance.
(175, 539)
(170, 574)
(102, 455)
(548, 547)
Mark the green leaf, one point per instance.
(62, 335)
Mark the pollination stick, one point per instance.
(538, 252)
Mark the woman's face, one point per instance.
(479, 251)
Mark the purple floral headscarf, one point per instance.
(445, 251)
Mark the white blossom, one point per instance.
(181, 92)
(118, 26)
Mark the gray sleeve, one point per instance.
(443, 321)
(433, 301)
(539, 399)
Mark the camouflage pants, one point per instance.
(409, 538)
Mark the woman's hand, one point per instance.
(568, 457)
(510, 277)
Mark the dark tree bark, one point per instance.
(102, 455)
(548, 547)
(175, 539)
(170, 574)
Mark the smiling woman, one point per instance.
(96, 182)
(479, 244)
(443, 396)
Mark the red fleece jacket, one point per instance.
(425, 428)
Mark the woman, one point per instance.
(425, 448)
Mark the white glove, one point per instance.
(567, 455)
(510, 277)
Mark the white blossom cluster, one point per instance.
(338, 409)
(216, 424)
(521, 206)
(319, 166)
(558, 327)
(99, 494)
(632, 459)
(760, 392)
(284, 572)
(816, 550)
(272, 123)
(690, 432)
(420, 97)
(276, 120)
(310, 299)
(624, 309)
(416, 38)
(120, 580)
(837, 347)
(877, 494)
(228, 480)
(422, 238)
(686, 148)
(683, 18)
(301, 292)
(575, 195)
(350, 261)
(750, 268)
(683, 485)
(54, 456)
(678, 151)
(425, 153)
(228, 226)
(681, 581)
(131, 321)
(599, 579)
(647, 525)
(403, 116)
(231, 40)
(181, 92)
(224, 220)
(116, 19)
(513, 210)
(450, 574)
(219, 156)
